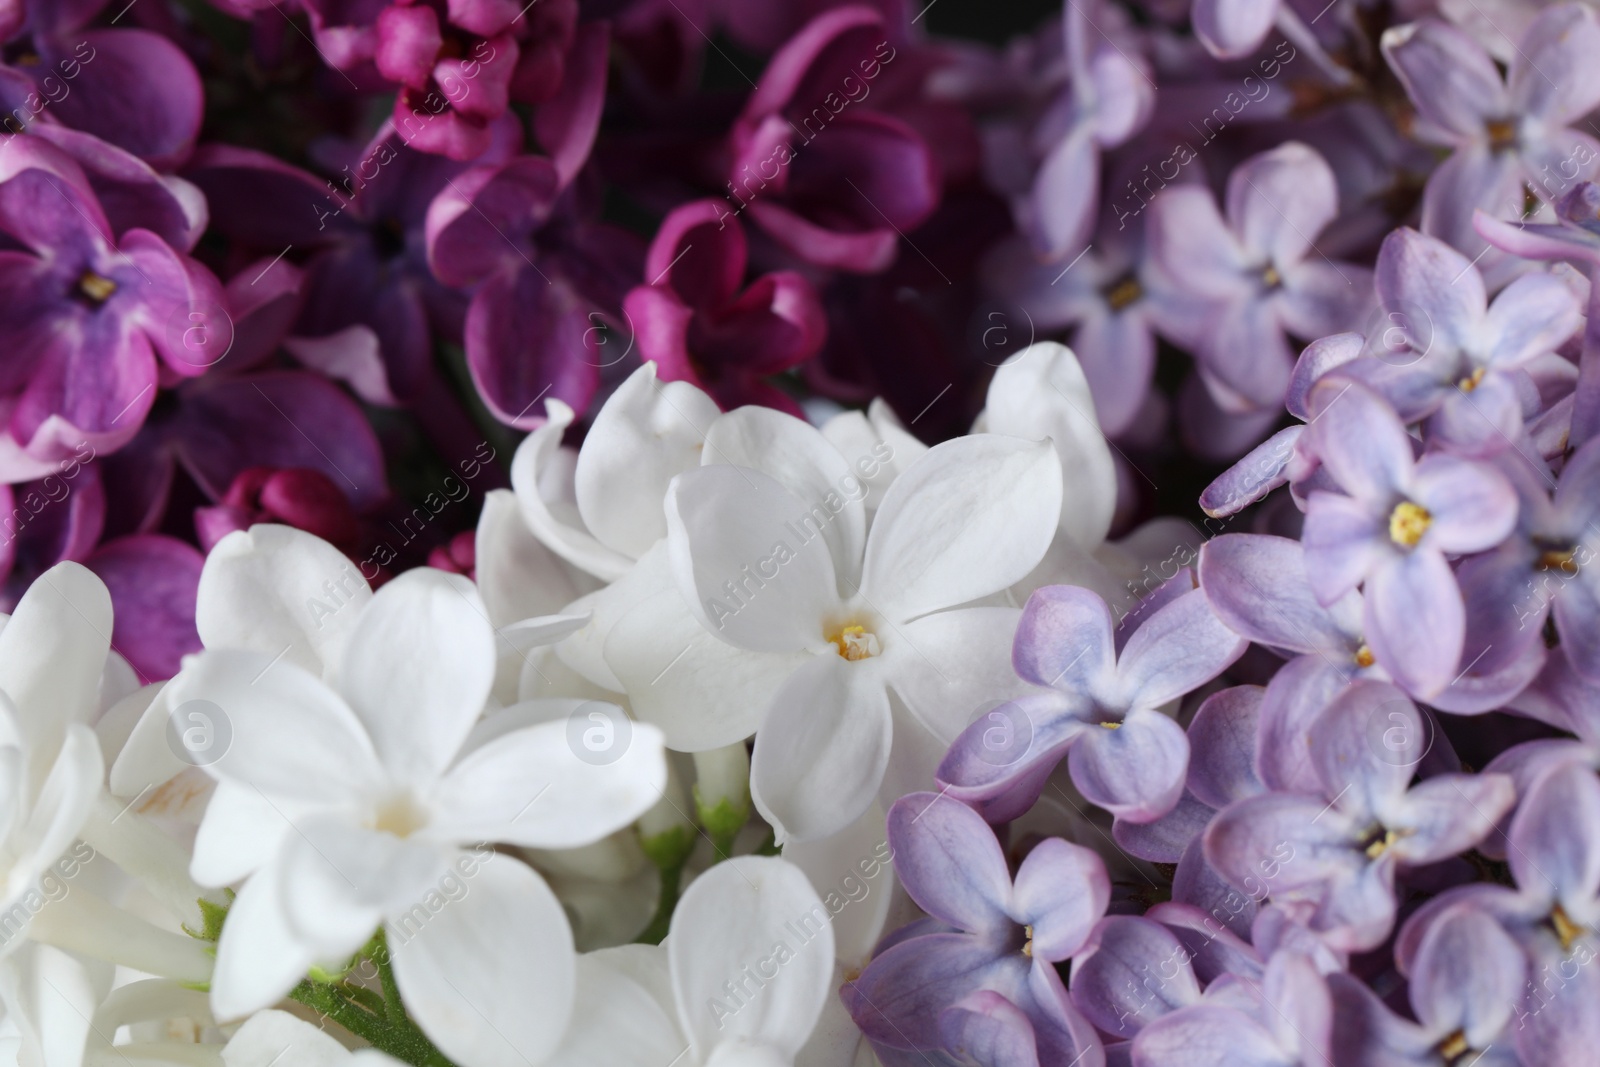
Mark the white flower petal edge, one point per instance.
(278, 1039)
(741, 978)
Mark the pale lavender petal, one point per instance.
(1061, 892)
(1222, 742)
(949, 861)
(1449, 77)
(1257, 586)
(1134, 770)
(1471, 506)
(1416, 621)
(1135, 972)
(991, 1030)
(1064, 640)
(1423, 276)
(1176, 650)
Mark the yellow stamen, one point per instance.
(1557, 559)
(1364, 656)
(1471, 381)
(1502, 134)
(1124, 293)
(1407, 523)
(96, 287)
(1111, 725)
(1027, 947)
(1454, 1046)
(1271, 278)
(855, 643)
(1377, 847)
(1566, 930)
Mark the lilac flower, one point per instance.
(154, 581)
(1553, 914)
(1466, 982)
(699, 326)
(1103, 688)
(832, 180)
(300, 497)
(1509, 134)
(1393, 530)
(132, 88)
(1283, 1019)
(998, 935)
(1464, 363)
(89, 315)
(1337, 853)
(539, 272)
(1257, 273)
(1574, 238)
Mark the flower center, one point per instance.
(1566, 930)
(1454, 1046)
(1364, 656)
(1270, 277)
(1471, 381)
(399, 815)
(856, 643)
(1124, 293)
(96, 287)
(1378, 841)
(1502, 134)
(1559, 559)
(1027, 946)
(1407, 523)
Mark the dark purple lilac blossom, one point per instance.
(698, 322)
(988, 933)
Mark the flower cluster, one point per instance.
(563, 534)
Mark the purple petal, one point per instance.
(153, 581)
(1233, 28)
(1424, 277)
(1363, 445)
(1261, 470)
(1366, 745)
(1448, 814)
(1206, 1036)
(1175, 651)
(1244, 348)
(1553, 75)
(1135, 770)
(1449, 77)
(1530, 317)
(949, 862)
(1257, 586)
(567, 123)
(1279, 843)
(529, 339)
(136, 90)
(1009, 752)
(1416, 621)
(1061, 892)
(1222, 741)
(899, 996)
(1164, 840)
(1471, 506)
(1294, 698)
(472, 224)
(1468, 976)
(1555, 838)
(1064, 640)
(1135, 972)
(991, 1030)
(1280, 200)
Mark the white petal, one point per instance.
(541, 474)
(52, 653)
(519, 577)
(702, 692)
(1042, 392)
(820, 755)
(753, 921)
(145, 760)
(281, 591)
(547, 786)
(59, 812)
(340, 880)
(275, 1038)
(644, 435)
(490, 977)
(970, 518)
(803, 461)
(241, 833)
(258, 957)
(419, 669)
(946, 664)
(269, 712)
(583, 651)
(876, 446)
(856, 866)
(623, 1014)
(748, 559)
(50, 997)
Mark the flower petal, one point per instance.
(950, 863)
(1135, 770)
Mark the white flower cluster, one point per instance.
(393, 818)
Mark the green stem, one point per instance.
(722, 846)
(378, 953)
(671, 878)
(404, 1042)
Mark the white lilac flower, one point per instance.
(739, 981)
(356, 785)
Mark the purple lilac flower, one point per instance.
(1553, 914)
(1336, 853)
(1103, 685)
(1507, 134)
(1464, 367)
(1256, 272)
(95, 317)
(699, 325)
(1390, 531)
(831, 179)
(1466, 981)
(997, 935)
